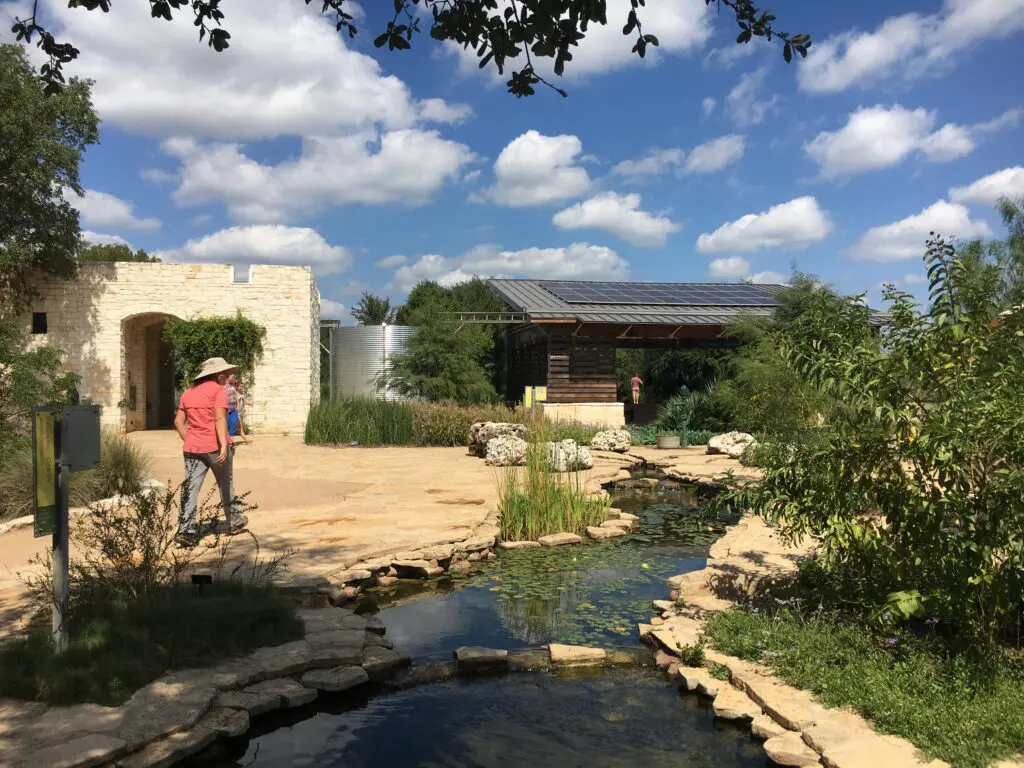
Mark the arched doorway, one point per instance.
(147, 373)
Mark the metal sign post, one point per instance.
(60, 445)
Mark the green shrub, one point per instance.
(648, 435)
(124, 466)
(535, 501)
(447, 423)
(571, 430)
(364, 420)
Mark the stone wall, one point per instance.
(104, 322)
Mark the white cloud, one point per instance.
(579, 261)
(534, 169)
(620, 215)
(769, 278)
(99, 238)
(709, 157)
(726, 56)
(402, 166)
(287, 72)
(729, 267)
(264, 244)
(913, 278)
(878, 137)
(680, 27)
(795, 224)
(391, 261)
(654, 163)
(908, 46)
(716, 154)
(104, 211)
(906, 239)
(746, 101)
(157, 175)
(331, 310)
(1008, 182)
(709, 105)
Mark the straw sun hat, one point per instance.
(214, 366)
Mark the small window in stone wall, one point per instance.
(38, 322)
(240, 274)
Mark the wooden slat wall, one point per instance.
(581, 370)
(527, 367)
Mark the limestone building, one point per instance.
(109, 323)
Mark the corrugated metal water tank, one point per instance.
(358, 356)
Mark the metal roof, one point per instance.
(532, 298)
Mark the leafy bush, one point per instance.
(124, 466)
(915, 485)
(648, 435)
(534, 501)
(675, 414)
(237, 339)
(363, 420)
(131, 617)
(447, 423)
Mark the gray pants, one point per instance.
(196, 467)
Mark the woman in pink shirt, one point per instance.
(202, 424)
(636, 383)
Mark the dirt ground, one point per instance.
(333, 506)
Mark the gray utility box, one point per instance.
(80, 437)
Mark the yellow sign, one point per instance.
(44, 471)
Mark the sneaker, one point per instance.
(187, 539)
(238, 522)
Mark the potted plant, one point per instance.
(667, 440)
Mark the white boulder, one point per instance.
(731, 443)
(615, 440)
(483, 432)
(567, 456)
(505, 451)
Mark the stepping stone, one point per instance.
(374, 624)
(229, 723)
(337, 679)
(336, 655)
(160, 709)
(412, 569)
(290, 693)
(372, 638)
(622, 524)
(171, 750)
(253, 702)
(731, 704)
(327, 619)
(600, 534)
(380, 663)
(560, 539)
(475, 660)
(575, 655)
(82, 752)
(66, 723)
(763, 727)
(282, 660)
(533, 660)
(518, 544)
(349, 638)
(789, 750)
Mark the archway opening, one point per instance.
(148, 373)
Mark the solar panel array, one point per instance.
(661, 294)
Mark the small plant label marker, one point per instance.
(61, 444)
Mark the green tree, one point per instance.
(373, 310)
(114, 252)
(237, 339)
(41, 144)
(915, 486)
(499, 33)
(996, 267)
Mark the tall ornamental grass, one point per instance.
(362, 420)
(534, 501)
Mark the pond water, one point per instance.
(593, 594)
(615, 719)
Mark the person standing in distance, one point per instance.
(636, 383)
(201, 422)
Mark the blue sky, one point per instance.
(707, 162)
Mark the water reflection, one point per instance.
(618, 719)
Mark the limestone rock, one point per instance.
(599, 533)
(438, 552)
(171, 750)
(575, 655)
(65, 723)
(233, 673)
(380, 663)
(288, 692)
(337, 679)
(346, 638)
(373, 639)
(518, 544)
(476, 660)
(663, 660)
(483, 432)
(731, 704)
(282, 660)
(229, 723)
(568, 456)
(506, 451)
(463, 566)
(691, 677)
(334, 655)
(253, 702)
(162, 708)
(625, 525)
(81, 752)
(763, 727)
(615, 440)
(618, 514)
(387, 581)
(374, 624)
(790, 750)
(559, 539)
(354, 576)
(731, 443)
(324, 619)
(663, 605)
